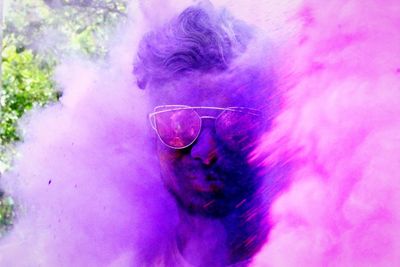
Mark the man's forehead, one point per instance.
(199, 96)
(206, 91)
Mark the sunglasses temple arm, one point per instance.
(152, 122)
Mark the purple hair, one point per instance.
(198, 40)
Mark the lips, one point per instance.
(204, 181)
(207, 184)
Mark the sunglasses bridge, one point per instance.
(208, 117)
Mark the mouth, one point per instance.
(208, 187)
(209, 183)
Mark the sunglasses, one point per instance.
(179, 126)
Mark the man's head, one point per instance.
(190, 63)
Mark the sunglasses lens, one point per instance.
(178, 128)
(238, 129)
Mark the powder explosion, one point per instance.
(340, 128)
(91, 196)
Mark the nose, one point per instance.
(205, 148)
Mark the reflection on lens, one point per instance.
(237, 129)
(178, 128)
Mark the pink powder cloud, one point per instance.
(340, 129)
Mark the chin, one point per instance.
(210, 212)
(205, 205)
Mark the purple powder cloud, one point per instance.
(86, 179)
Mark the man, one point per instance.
(208, 117)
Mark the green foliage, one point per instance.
(64, 26)
(36, 35)
(6, 214)
(26, 82)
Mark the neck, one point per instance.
(201, 241)
(220, 241)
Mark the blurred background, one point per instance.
(35, 36)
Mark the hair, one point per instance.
(198, 40)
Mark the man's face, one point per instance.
(212, 176)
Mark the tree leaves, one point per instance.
(36, 35)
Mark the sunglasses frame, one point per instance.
(170, 108)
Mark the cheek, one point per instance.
(170, 162)
(168, 158)
(233, 159)
(237, 167)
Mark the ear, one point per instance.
(142, 82)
